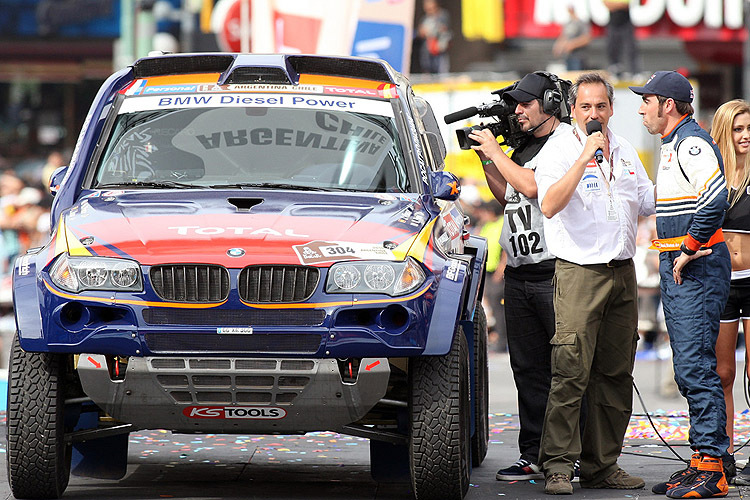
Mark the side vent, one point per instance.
(170, 65)
(357, 68)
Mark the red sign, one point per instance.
(226, 23)
(296, 34)
(698, 20)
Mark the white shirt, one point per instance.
(600, 221)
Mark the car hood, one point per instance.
(238, 229)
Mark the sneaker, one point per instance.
(558, 484)
(618, 480)
(730, 468)
(522, 470)
(708, 482)
(685, 474)
(577, 472)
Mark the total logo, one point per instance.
(242, 412)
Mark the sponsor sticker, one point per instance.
(388, 93)
(235, 412)
(23, 265)
(248, 87)
(450, 225)
(169, 89)
(316, 252)
(452, 272)
(236, 99)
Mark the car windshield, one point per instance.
(338, 148)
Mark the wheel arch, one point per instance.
(460, 288)
(26, 291)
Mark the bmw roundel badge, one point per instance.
(235, 252)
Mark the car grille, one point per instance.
(233, 381)
(190, 282)
(266, 343)
(277, 284)
(234, 317)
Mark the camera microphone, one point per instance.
(461, 115)
(591, 127)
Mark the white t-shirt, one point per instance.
(600, 221)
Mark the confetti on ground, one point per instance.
(675, 425)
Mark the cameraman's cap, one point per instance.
(667, 84)
(530, 87)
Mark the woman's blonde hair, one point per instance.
(721, 131)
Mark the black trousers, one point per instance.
(530, 322)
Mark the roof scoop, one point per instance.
(245, 204)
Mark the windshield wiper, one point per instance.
(266, 185)
(148, 184)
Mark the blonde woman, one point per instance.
(731, 131)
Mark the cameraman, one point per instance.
(529, 314)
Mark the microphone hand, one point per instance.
(591, 127)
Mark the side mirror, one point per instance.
(56, 179)
(445, 185)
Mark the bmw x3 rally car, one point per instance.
(262, 244)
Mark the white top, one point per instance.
(522, 237)
(600, 222)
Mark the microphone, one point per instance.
(533, 129)
(461, 115)
(591, 127)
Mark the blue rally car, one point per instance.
(262, 244)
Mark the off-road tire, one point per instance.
(38, 459)
(480, 439)
(440, 441)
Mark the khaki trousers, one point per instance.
(593, 351)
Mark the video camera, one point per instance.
(506, 124)
(554, 102)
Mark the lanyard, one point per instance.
(612, 215)
(611, 161)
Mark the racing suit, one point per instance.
(690, 206)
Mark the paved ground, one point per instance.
(332, 466)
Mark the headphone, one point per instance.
(555, 101)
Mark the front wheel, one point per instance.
(38, 458)
(440, 444)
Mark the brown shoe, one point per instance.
(558, 484)
(618, 480)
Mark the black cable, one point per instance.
(746, 391)
(653, 425)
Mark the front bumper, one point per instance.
(234, 395)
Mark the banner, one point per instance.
(688, 20)
(367, 28)
(482, 20)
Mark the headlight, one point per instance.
(390, 278)
(76, 274)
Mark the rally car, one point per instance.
(261, 244)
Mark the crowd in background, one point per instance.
(25, 203)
